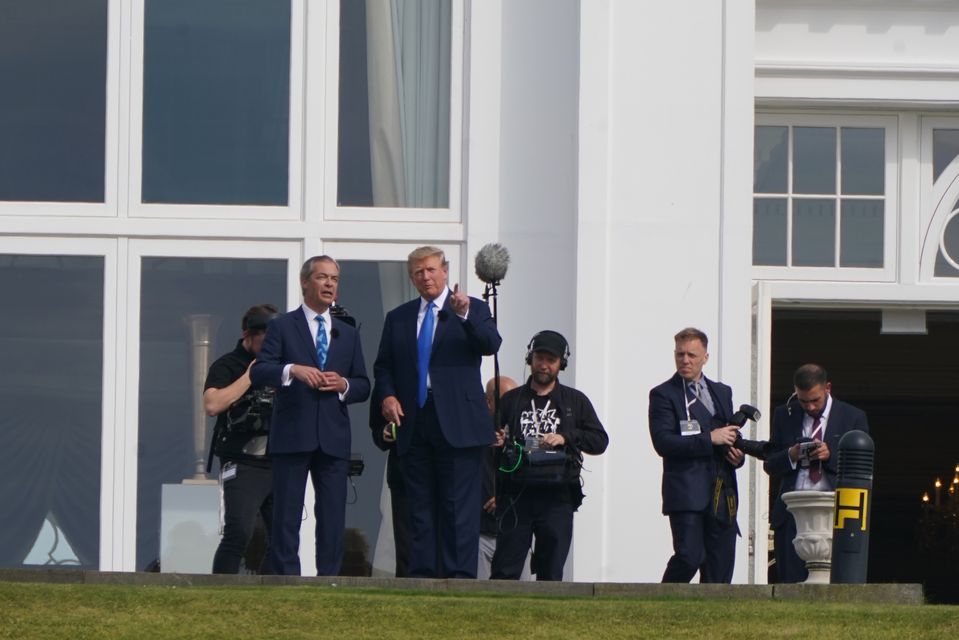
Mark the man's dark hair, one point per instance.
(690, 333)
(258, 312)
(809, 376)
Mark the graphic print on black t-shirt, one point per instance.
(538, 418)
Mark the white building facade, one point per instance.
(650, 166)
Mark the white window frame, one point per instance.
(127, 466)
(292, 210)
(887, 273)
(109, 206)
(936, 201)
(321, 159)
(111, 438)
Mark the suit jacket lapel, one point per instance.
(442, 326)
(303, 329)
(408, 328)
(718, 402)
(795, 425)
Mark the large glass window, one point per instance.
(51, 391)
(190, 314)
(53, 67)
(819, 196)
(394, 105)
(216, 103)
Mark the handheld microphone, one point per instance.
(492, 261)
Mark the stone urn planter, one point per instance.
(813, 512)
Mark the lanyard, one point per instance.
(688, 402)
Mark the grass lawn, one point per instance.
(30, 610)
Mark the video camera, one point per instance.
(252, 413)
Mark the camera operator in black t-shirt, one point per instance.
(239, 441)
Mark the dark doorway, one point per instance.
(908, 385)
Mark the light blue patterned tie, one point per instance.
(702, 393)
(321, 344)
(424, 342)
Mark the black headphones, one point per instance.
(563, 359)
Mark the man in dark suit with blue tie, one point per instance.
(428, 385)
(817, 418)
(689, 423)
(316, 364)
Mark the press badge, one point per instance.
(689, 428)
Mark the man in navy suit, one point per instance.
(689, 424)
(820, 420)
(428, 386)
(316, 364)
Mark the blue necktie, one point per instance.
(423, 343)
(321, 342)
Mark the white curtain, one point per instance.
(408, 69)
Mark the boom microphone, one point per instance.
(491, 263)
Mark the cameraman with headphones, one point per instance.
(547, 428)
(239, 440)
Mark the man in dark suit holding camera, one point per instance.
(805, 434)
(689, 422)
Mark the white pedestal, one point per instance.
(813, 512)
(189, 527)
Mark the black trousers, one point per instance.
(248, 492)
(533, 512)
(443, 491)
(701, 543)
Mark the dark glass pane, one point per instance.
(769, 231)
(863, 161)
(814, 160)
(861, 233)
(51, 391)
(213, 293)
(394, 122)
(814, 233)
(354, 183)
(53, 69)
(771, 160)
(216, 101)
(945, 147)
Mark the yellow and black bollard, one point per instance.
(852, 515)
